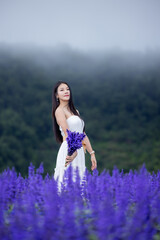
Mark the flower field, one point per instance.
(103, 206)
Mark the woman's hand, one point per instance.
(94, 162)
(69, 159)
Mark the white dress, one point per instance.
(75, 123)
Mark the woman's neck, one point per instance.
(64, 104)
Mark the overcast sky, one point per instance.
(83, 24)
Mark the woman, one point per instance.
(65, 116)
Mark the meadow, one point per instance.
(104, 205)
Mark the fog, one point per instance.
(94, 63)
(82, 25)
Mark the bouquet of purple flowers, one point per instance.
(74, 141)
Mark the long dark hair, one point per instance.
(55, 104)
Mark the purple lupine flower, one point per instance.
(117, 206)
(74, 141)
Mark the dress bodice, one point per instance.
(75, 123)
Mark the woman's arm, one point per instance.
(90, 150)
(61, 120)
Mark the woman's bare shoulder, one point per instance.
(59, 112)
(61, 118)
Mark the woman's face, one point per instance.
(63, 92)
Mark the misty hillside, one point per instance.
(117, 94)
(115, 60)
